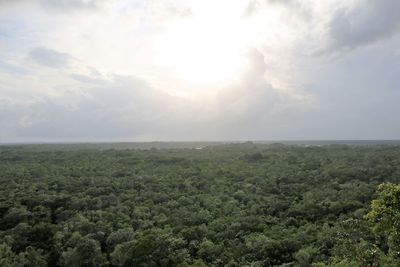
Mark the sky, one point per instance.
(175, 70)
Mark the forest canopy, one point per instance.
(218, 205)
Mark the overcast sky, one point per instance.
(142, 70)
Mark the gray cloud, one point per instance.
(50, 58)
(365, 23)
(253, 6)
(87, 79)
(13, 69)
(71, 3)
(124, 107)
(57, 4)
(10, 2)
(252, 108)
(127, 108)
(345, 27)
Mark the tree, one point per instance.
(153, 248)
(305, 256)
(84, 252)
(385, 214)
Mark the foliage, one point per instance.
(222, 205)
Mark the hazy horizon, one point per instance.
(285, 141)
(139, 71)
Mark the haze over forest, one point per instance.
(131, 70)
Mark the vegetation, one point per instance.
(222, 205)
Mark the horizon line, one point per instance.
(195, 141)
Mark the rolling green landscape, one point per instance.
(200, 204)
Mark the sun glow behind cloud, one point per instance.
(208, 49)
(205, 49)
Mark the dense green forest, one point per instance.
(221, 205)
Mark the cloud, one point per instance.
(50, 58)
(252, 107)
(251, 8)
(13, 69)
(56, 4)
(121, 108)
(254, 6)
(364, 23)
(71, 3)
(8, 2)
(87, 79)
(333, 26)
(126, 94)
